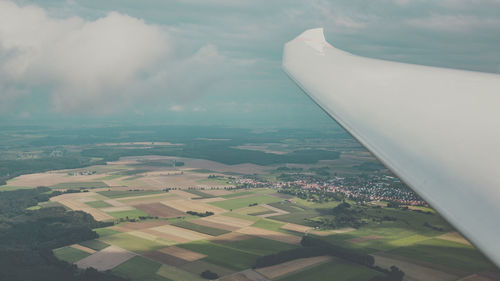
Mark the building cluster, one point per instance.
(372, 188)
(82, 173)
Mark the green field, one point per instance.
(241, 216)
(197, 267)
(222, 255)
(268, 224)
(98, 204)
(94, 244)
(133, 243)
(176, 273)
(70, 254)
(261, 213)
(131, 214)
(200, 228)
(236, 194)
(446, 253)
(79, 185)
(128, 193)
(260, 246)
(102, 232)
(244, 202)
(139, 269)
(337, 270)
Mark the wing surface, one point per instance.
(437, 129)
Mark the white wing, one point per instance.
(437, 129)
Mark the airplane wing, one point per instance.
(437, 129)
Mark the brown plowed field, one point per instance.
(291, 266)
(160, 210)
(230, 237)
(164, 258)
(214, 224)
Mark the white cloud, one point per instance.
(98, 66)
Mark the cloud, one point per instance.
(454, 23)
(98, 66)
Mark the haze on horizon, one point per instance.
(212, 62)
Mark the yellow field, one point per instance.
(281, 269)
(229, 221)
(50, 178)
(181, 233)
(185, 205)
(182, 253)
(82, 248)
(454, 237)
(296, 227)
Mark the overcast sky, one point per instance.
(213, 61)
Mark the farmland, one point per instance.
(219, 213)
(244, 225)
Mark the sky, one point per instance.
(212, 62)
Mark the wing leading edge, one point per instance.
(437, 129)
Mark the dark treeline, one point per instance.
(220, 152)
(27, 238)
(13, 168)
(313, 247)
(206, 214)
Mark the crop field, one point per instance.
(70, 254)
(79, 185)
(272, 235)
(128, 214)
(132, 243)
(282, 269)
(106, 259)
(199, 193)
(181, 253)
(446, 253)
(185, 205)
(221, 255)
(236, 194)
(414, 271)
(260, 246)
(201, 228)
(268, 224)
(176, 273)
(342, 270)
(248, 224)
(98, 204)
(126, 193)
(229, 221)
(94, 244)
(138, 269)
(159, 210)
(245, 202)
(197, 267)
